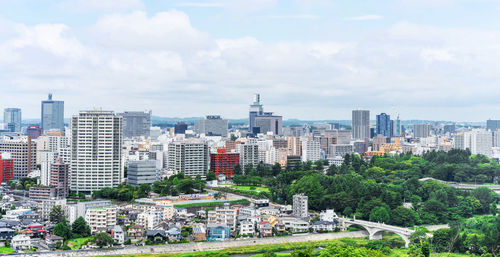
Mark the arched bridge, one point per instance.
(375, 229)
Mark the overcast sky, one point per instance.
(309, 59)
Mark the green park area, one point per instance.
(4, 249)
(77, 243)
(252, 188)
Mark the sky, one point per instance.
(309, 59)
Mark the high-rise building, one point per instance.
(300, 206)
(59, 173)
(222, 163)
(254, 110)
(96, 146)
(6, 168)
(384, 125)
(213, 125)
(47, 159)
(249, 154)
(190, 158)
(311, 150)
(12, 119)
(492, 125)
(421, 130)
(141, 172)
(23, 151)
(52, 114)
(136, 124)
(360, 124)
(180, 128)
(267, 122)
(477, 141)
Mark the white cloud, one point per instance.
(200, 4)
(107, 5)
(295, 16)
(365, 17)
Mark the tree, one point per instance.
(380, 214)
(237, 169)
(62, 229)
(276, 169)
(402, 216)
(211, 176)
(80, 227)
(485, 196)
(269, 253)
(56, 214)
(145, 189)
(102, 239)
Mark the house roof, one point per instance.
(155, 233)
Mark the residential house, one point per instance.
(294, 224)
(323, 226)
(173, 234)
(135, 232)
(328, 215)
(6, 233)
(199, 232)
(118, 235)
(52, 241)
(21, 242)
(156, 236)
(265, 229)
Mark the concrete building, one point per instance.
(190, 158)
(223, 215)
(180, 128)
(255, 109)
(52, 114)
(141, 172)
(481, 142)
(150, 219)
(310, 150)
(59, 177)
(6, 168)
(136, 124)
(96, 155)
(23, 152)
(101, 218)
(267, 122)
(360, 124)
(249, 154)
(47, 159)
(341, 150)
(73, 211)
(421, 130)
(12, 119)
(300, 206)
(492, 125)
(48, 204)
(222, 163)
(213, 125)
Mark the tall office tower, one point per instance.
(141, 172)
(96, 146)
(213, 125)
(311, 150)
(254, 110)
(23, 151)
(267, 122)
(421, 130)
(52, 114)
(249, 154)
(12, 119)
(384, 125)
(360, 124)
(222, 163)
(492, 125)
(190, 158)
(59, 172)
(300, 206)
(136, 124)
(6, 168)
(180, 128)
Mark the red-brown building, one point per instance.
(6, 169)
(223, 163)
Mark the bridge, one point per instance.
(375, 229)
(495, 188)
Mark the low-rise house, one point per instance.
(280, 227)
(118, 234)
(218, 232)
(323, 226)
(247, 228)
(21, 242)
(136, 232)
(295, 224)
(265, 229)
(269, 211)
(52, 241)
(199, 232)
(156, 236)
(173, 234)
(259, 203)
(328, 215)
(180, 211)
(15, 214)
(6, 233)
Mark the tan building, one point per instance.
(101, 218)
(225, 215)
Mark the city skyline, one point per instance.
(325, 57)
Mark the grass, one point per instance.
(240, 201)
(77, 243)
(4, 249)
(252, 188)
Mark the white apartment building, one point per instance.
(477, 141)
(51, 143)
(190, 158)
(247, 227)
(300, 206)
(101, 218)
(23, 151)
(47, 206)
(328, 215)
(249, 154)
(96, 144)
(311, 150)
(150, 219)
(225, 215)
(47, 158)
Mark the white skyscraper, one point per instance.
(96, 145)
